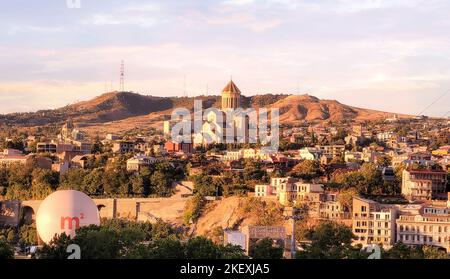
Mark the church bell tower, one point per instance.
(231, 96)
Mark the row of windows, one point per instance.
(423, 238)
(373, 239)
(423, 228)
(371, 224)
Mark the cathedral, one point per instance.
(216, 128)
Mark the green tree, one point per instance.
(44, 182)
(232, 252)
(164, 248)
(345, 198)
(384, 161)
(201, 248)
(193, 208)
(161, 183)
(265, 249)
(307, 170)
(93, 182)
(137, 185)
(433, 253)
(330, 240)
(400, 251)
(28, 234)
(56, 249)
(6, 250)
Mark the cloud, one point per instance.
(145, 15)
(15, 29)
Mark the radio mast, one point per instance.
(122, 77)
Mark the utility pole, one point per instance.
(292, 214)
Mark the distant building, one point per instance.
(46, 147)
(255, 233)
(53, 147)
(373, 223)
(173, 147)
(80, 161)
(424, 184)
(136, 163)
(236, 238)
(123, 147)
(442, 151)
(429, 225)
(333, 150)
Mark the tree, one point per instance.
(201, 248)
(346, 196)
(367, 180)
(253, 171)
(307, 170)
(432, 253)
(6, 250)
(203, 185)
(28, 235)
(330, 240)
(93, 182)
(161, 184)
(137, 185)
(164, 248)
(232, 252)
(56, 249)
(401, 251)
(193, 208)
(265, 249)
(384, 161)
(44, 182)
(73, 179)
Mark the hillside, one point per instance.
(124, 110)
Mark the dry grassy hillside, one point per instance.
(122, 111)
(237, 212)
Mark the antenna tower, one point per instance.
(122, 77)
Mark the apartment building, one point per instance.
(79, 147)
(123, 147)
(373, 223)
(173, 147)
(332, 150)
(46, 147)
(283, 188)
(330, 208)
(424, 184)
(429, 225)
(136, 163)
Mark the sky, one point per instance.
(387, 55)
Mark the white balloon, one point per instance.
(65, 212)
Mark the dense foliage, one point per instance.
(119, 239)
(102, 178)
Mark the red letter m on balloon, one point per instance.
(69, 221)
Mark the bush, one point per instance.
(6, 250)
(193, 209)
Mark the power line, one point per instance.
(434, 102)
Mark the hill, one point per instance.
(125, 110)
